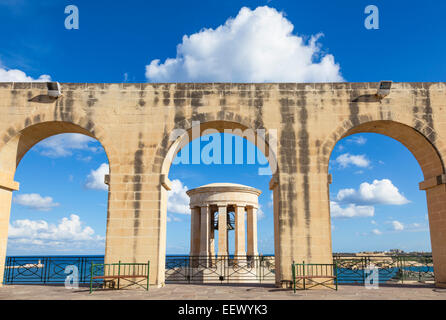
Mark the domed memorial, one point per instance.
(221, 207)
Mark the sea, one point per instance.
(53, 270)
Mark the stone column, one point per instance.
(205, 231)
(222, 231)
(6, 189)
(436, 205)
(195, 234)
(212, 236)
(240, 251)
(302, 225)
(252, 231)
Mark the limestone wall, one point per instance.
(134, 121)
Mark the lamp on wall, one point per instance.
(53, 89)
(384, 89)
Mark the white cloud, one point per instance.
(376, 232)
(347, 159)
(255, 46)
(69, 233)
(271, 201)
(409, 227)
(260, 213)
(359, 140)
(350, 211)
(62, 145)
(15, 75)
(397, 226)
(417, 227)
(35, 201)
(173, 218)
(178, 200)
(95, 180)
(379, 192)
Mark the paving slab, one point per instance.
(224, 292)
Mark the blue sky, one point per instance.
(115, 37)
(68, 167)
(118, 42)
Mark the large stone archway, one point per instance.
(134, 123)
(421, 143)
(186, 132)
(10, 156)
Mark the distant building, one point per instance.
(396, 251)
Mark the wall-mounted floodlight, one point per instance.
(53, 89)
(384, 89)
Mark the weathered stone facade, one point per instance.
(134, 121)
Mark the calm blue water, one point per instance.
(385, 275)
(54, 269)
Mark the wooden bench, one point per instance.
(319, 274)
(113, 273)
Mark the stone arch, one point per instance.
(39, 126)
(17, 141)
(221, 120)
(419, 142)
(426, 146)
(168, 149)
(168, 153)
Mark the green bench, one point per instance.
(316, 274)
(113, 273)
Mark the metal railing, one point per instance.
(220, 269)
(47, 270)
(391, 268)
(257, 269)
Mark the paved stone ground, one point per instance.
(225, 292)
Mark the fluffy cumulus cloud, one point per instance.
(376, 232)
(15, 75)
(351, 203)
(256, 46)
(178, 200)
(397, 226)
(63, 145)
(69, 233)
(271, 200)
(95, 179)
(172, 218)
(379, 192)
(350, 211)
(260, 213)
(345, 160)
(35, 201)
(359, 140)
